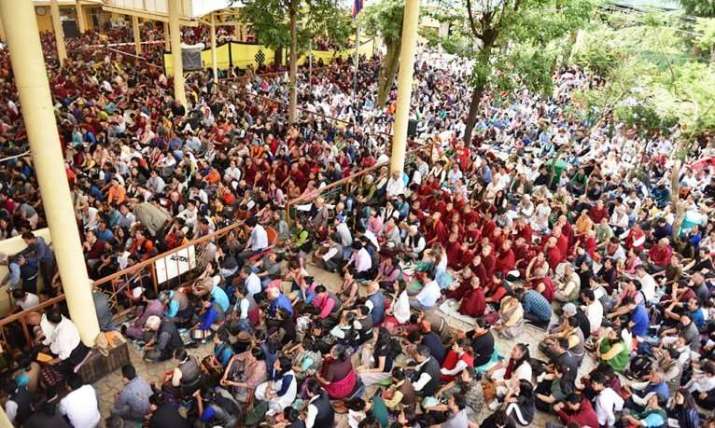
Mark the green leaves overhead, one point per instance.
(702, 8)
(383, 18)
(269, 20)
(657, 73)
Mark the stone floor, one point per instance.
(109, 386)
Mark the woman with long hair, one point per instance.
(520, 403)
(683, 410)
(378, 359)
(510, 372)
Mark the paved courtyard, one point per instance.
(109, 386)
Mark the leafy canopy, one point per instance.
(269, 21)
(703, 8)
(655, 76)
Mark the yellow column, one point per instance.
(175, 30)
(59, 33)
(28, 65)
(137, 35)
(81, 23)
(213, 48)
(4, 420)
(2, 38)
(167, 38)
(404, 84)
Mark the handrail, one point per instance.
(42, 305)
(150, 261)
(126, 271)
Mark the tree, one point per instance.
(276, 24)
(384, 19)
(519, 44)
(657, 78)
(702, 8)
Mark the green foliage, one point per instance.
(516, 43)
(269, 21)
(702, 8)
(705, 28)
(383, 19)
(653, 80)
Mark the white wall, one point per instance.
(190, 8)
(13, 246)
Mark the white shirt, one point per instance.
(362, 260)
(29, 301)
(80, 407)
(253, 284)
(648, 287)
(607, 402)
(62, 338)
(259, 238)
(343, 231)
(594, 313)
(395, 187)
(429, 294)
(312, 413)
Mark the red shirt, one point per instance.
(506, 261)
(473, 303)
(598, 214)
(585, 416)
(554, 257)
(660, 256)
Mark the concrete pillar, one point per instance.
(59, 33)
(28, 65)
(237, 36)
(175, 30)
(404, 84)
(4, 420)
(167, 37)
(137, 35)
(2, 38)
(81, 20)
(214, 61)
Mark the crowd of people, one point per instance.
(543, 223)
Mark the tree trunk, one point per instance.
(677, 206)
(278, 57)
(477, 94)
(388, 71)
(293, 71)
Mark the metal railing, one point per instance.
(116, 284)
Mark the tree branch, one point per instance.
(472, 24)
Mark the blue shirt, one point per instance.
(536, 304)
(660, 389)
(280, 302)
(639, 318)
(697, 317)
(220, 297)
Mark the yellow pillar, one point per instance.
(81, 23)
(213, 48)
(2, 38)
(4, 420)
(167, 38)
(59, 33)
(237, 32)
(28, 65)
(404, 84)
(175, 30)
(137, 35)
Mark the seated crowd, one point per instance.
(537, 221)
